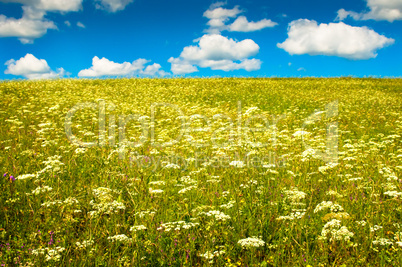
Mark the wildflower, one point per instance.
(237, 164)
(383, 242)
(136, 228)
(251, 242)
(333, 231)
(119, 238)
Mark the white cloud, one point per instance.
(68, 24)
(112, 5)
(25, 29)
(32, 68)
(50, 5)
(218, 53)
(154, 70)
(241, 24)
(104, 67)
(389, 10)
(80, 24)
(219, 17)
(33, 24)
(333, 39)
(179, 66)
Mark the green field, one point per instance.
(201, 172)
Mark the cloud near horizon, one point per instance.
(104, 67)
(217, 52)
(32, 68)
(333, 39)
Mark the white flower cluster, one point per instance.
(393, 194)
(375, 228)
(294, 195)
(50, 254)
(53, 164)
(41, 189)
(26, 176)
(184, 190)
(361, 223)
(237, 164)
(80, 150)
(171, 166)
(218, 215)
(328, 205)
(104, 193)
(335, 232)
(84, 244)
(106, 208)
(157, 183)
(294, 215)
(155, 191)
(383, 242)
(309, 154)
(136, 228)
(328, 166)
(249, 184)
(300, 134)
(333, 193)
(229, 205)
(187, 180)
(176, 226)
(119, 238)
(144, 213)
(68, 202)
(251, 242)
(211, 255)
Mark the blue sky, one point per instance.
(155, 38)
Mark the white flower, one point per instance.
(157, 183)
(394, 194)
(300, 134)
(42, 189)
(119, 238)
(383, 242)
(294, 195)
(328, 204)
(333, 231)
(136, 228)
(237, 164)
(184, 190)
(375, 228)
(251, 242)
(26, 176)
(155, 191)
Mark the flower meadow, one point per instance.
(201, 172)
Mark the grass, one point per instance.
(201, 172)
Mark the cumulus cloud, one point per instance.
(179, 66)
(154, 70)
(389, 10)
(112, 5)
(26, 29)
(105, 67)
(218, 53)
(241, 24)
(219, 17)
(33, 23)
(333, 39)
(32, 68)
(80, 25)
(50, 5)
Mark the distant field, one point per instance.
(201, 172)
